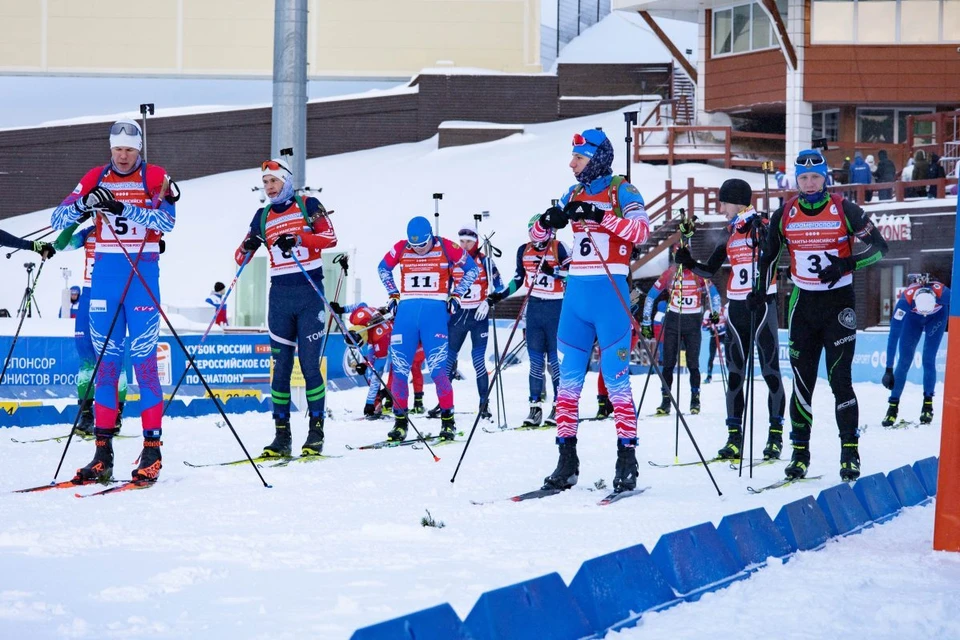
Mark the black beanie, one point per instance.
(736, 191)
(218, 287)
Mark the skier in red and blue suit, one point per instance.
(136, 205)
(612, 210)
(428, 295)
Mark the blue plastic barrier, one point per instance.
(178, 409)
(877, 497)
(843, 510)
(37, 416)
(535, 609)
(803, 524)
(753, 536)
(907, 486)
(436, 623)
(610, 588)
(926, 471)
(242, 405)
(696, 558)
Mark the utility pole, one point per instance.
(290, 84)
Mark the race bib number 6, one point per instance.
(585, 248)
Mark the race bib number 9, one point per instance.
(422, 282)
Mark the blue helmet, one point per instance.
(75, 289)
(419, 231)
(811, 161)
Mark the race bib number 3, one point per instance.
(811, 263)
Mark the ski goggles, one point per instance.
(579, 141)
(918, 278)
(273, 165)
(127, 128)
(421, 245)
(810, 160)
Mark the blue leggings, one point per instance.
(424, 322)
(380, 364)
(295, 320)
(543, 321)
(88, 357)
(462, 324)
(932, 327)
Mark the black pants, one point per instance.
(823, 321)
(686, 327)
(738, 352)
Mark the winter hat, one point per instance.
(75, 289)
(218, 287)
(589, 142)
(468, 234)
(811, 161)
(276, 168)
(593, 144)
(126, 133)
(736, 191)
(419, 231)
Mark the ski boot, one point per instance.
(664, 408)
(551, 420)
(399, 431)
(695, 401)
(418, 407)
(281, 445)
(774, 443)
(448, 428)
(85, 425)
(799, 462)
(891, 417)
(731, 450)
(604, 407)
(926, 412)
(568, 467)
(625, 476)
(485, 411)
(387, 404)
(708, 379)
(119, 422)
(849, 461)
(370, 412)
(434, 413)
(100, 468)
(535, 417)
(150, 461)
(313, 446)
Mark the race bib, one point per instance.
(809, 264)
(585, 249)
(279, 259)
(473, 293)
(422, 282)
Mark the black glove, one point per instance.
(113, 206)
(45, 249)
(888, 380)
(163, 245)
(96, 198)
(578, 210)
(553, 218)
(251, 244)
(355, 338)
(714, 318)
(496, 296)
(287, 241)
(683, 258)
(547, 268)
(837, 268)
(646, 330)
(173, 193)
(337, 309)
(686, 228)
(83, 217)
(361, 368)
(756, 301)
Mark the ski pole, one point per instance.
(749, 383)
(341, 260)
(437, 197)
(496, 373)
(349, 340)
(649, 373)
(203, 338)
(186, 353)
(636, 327)
(29, 296)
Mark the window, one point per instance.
(826, 124)
(743, 28)
(885, 21)
(922, 129)
(887, 126)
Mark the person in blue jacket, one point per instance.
(921, 310)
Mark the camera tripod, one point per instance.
(28, 302)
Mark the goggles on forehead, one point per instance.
(810, 160)
(919, 278)
(273, 165)
(124, 127)
(420, 245)
(579, 141)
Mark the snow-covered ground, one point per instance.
(336, 545)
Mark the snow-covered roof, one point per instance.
(624, 37)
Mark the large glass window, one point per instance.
(742, 28)
(885, 21)
(826, 124)
(888, 126)
(922, 129)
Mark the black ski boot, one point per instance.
(150, 461)
(731, 450)
(434, 413)
(926, 412)
(568, 467)
(85, 425)
(399, 431)
(119, 422)
(282, 443)
(799, 462)
(387, 404)
(551, 420)
(849, 460)
(774, 443)
(604, 407)
(664, 408)
(535, 417)
(370, 412)
(695, 401)
(418, 407)
(892, 409)
(625, 476)
(448, 428)
(100, 468)
(313, 446)
(485, 411)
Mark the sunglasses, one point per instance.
(810, 160)
(124, 127)
(272, 165)
(579, 141)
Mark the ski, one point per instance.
(617, 496)
(759, 462)
(541, 427)
(781, 483)
(84, 437)
(61, 485)
(437, 441)
(903, 424)
(536, 495)
(129, 485)
(693, 464)
(287, 461)
(387, 444)
(231, 463)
